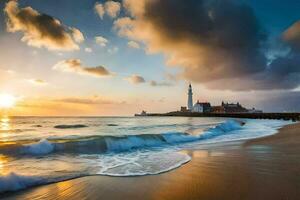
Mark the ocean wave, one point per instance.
(143, 127)
(14, 182)
(37, 126)
(40, 148)
(15, 130)
(138, 163)
(66, 126)
(105, 144)
(112, 124)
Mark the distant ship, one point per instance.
(143, 113)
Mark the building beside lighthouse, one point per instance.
(202, 107)
(205, 107)
(198, 107)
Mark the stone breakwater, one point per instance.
(279, 116)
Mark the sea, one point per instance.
(41, 150)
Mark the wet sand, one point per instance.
(265, 168)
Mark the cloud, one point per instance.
(77, 35)
(41, 30)
(171, 77)
(193, 32)
(217, 43)
(88, 101)
(89, 50)
(11, 72)
(133, 44)
(99, 9)
(102, 41)
(280, 101)
(39, 82)
(292, 35)
(135, 79)
(113, 50)
(75, 66)
(156, 84)
(111, 8)
(92, 105)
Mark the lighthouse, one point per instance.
(190, 98)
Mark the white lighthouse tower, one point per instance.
(190, 98)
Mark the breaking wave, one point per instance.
(106, 144)
(124, 164)
(14, 182)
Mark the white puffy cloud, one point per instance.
(113, 50)
(133, 44)
(99, 9)
(102, 41)
(111, 8)
(77, 35)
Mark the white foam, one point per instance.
(40, 148)
(253, 128)
(136, 163)
(221, 129)
(141, 163)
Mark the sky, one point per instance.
(108, 58)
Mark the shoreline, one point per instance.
(280, 138)
(261, 168)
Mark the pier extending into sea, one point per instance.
(283, 116)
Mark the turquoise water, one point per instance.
(40, 150)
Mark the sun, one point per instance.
(7, 100)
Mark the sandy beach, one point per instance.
(265, 168)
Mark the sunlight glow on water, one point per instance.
(5, 128)
(5, 123)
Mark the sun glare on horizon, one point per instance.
(7, 100)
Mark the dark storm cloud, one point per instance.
(282, 73)
(216, 42)
(282, 101)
